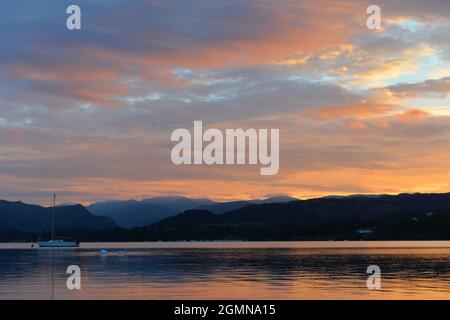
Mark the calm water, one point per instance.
(229, 270)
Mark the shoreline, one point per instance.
(391, 244)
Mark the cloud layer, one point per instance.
(89, 113)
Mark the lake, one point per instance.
(228, 270)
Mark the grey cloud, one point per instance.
(439, 88)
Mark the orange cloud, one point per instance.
(377, 72)
(362, 110)
(100, 94)
(356, 124)
(66, 73)
(81, 82)
(413, 115)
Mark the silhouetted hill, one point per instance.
(384, 217)
(179, 204)
(275, 199)
(133, 213)
(18, 216)
(221, 207)
(189, 218)
(415, 216)
(104, 207)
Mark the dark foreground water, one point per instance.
(228, 270)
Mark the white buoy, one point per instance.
(103, 252)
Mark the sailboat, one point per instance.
(56, 243)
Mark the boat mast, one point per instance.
(53, 215)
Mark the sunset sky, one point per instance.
(89, 113)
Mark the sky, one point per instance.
(88, 113)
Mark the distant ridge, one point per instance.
(385, 217)
(137, 213)
(355, 196)
(22, 217)
(221, 207)
(405, 216)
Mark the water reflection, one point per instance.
(227, 273)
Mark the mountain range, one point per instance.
(134, 213)
(404, 216)
(382, 217)
(28, 218)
